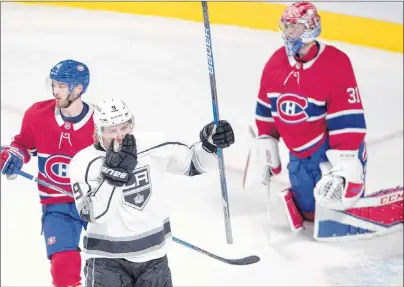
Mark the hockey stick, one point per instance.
(240, 261)
(215, 106)
(269, 210)
(44, 183)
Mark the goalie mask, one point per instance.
(299, 25)
(113, 120)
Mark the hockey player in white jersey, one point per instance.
(119, 189)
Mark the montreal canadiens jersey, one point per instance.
(306, 103)
(132, 222)
(45, 134)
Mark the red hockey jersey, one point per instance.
(44, 133)
(304, 103)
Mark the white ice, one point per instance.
(159, 67)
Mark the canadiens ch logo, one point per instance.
(57, 169)
(291, 108)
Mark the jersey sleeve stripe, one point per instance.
(344, 113)
(264, 119)
(262, 110)
(348, 130)
(316, 118)
(263, 103)
(317, 103)
(346, 121)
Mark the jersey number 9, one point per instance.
(78, 193)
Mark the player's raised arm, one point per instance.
(201, 156)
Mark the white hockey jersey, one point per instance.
(132, 222)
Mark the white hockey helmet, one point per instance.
(109, 113)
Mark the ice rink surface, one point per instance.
(158, 66)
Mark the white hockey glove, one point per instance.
(263, 161)
(342, 181)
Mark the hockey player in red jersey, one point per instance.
(309, 97)
(54, 131)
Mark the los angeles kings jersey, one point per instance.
(132, 222)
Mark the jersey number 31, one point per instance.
(353, 95)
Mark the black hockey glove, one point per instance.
(120, 161)
(222, 137)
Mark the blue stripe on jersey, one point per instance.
(312, 109)
(346, 121)
(41, 164)
(263, 111)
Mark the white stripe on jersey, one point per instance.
(347, 130)
(344, 113)
(309, 144)
(265, 119)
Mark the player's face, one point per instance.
(291, 31)
(61, 92)
(117, 132)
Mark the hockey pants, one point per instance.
(108, 272)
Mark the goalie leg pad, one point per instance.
(293, 216)
(375, 215)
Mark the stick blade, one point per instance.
(244, 261)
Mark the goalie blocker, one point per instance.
(375, 215)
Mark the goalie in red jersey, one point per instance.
(309, 97)
(55, 130)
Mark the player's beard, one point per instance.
(61, 104)
(64, 103)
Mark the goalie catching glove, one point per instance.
(342, 181)
(120, 161)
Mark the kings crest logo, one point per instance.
(139, 188)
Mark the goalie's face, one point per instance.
(117, 132)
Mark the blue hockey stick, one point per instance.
(215, 106)
(239, 261)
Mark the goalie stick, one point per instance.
(239, 261)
